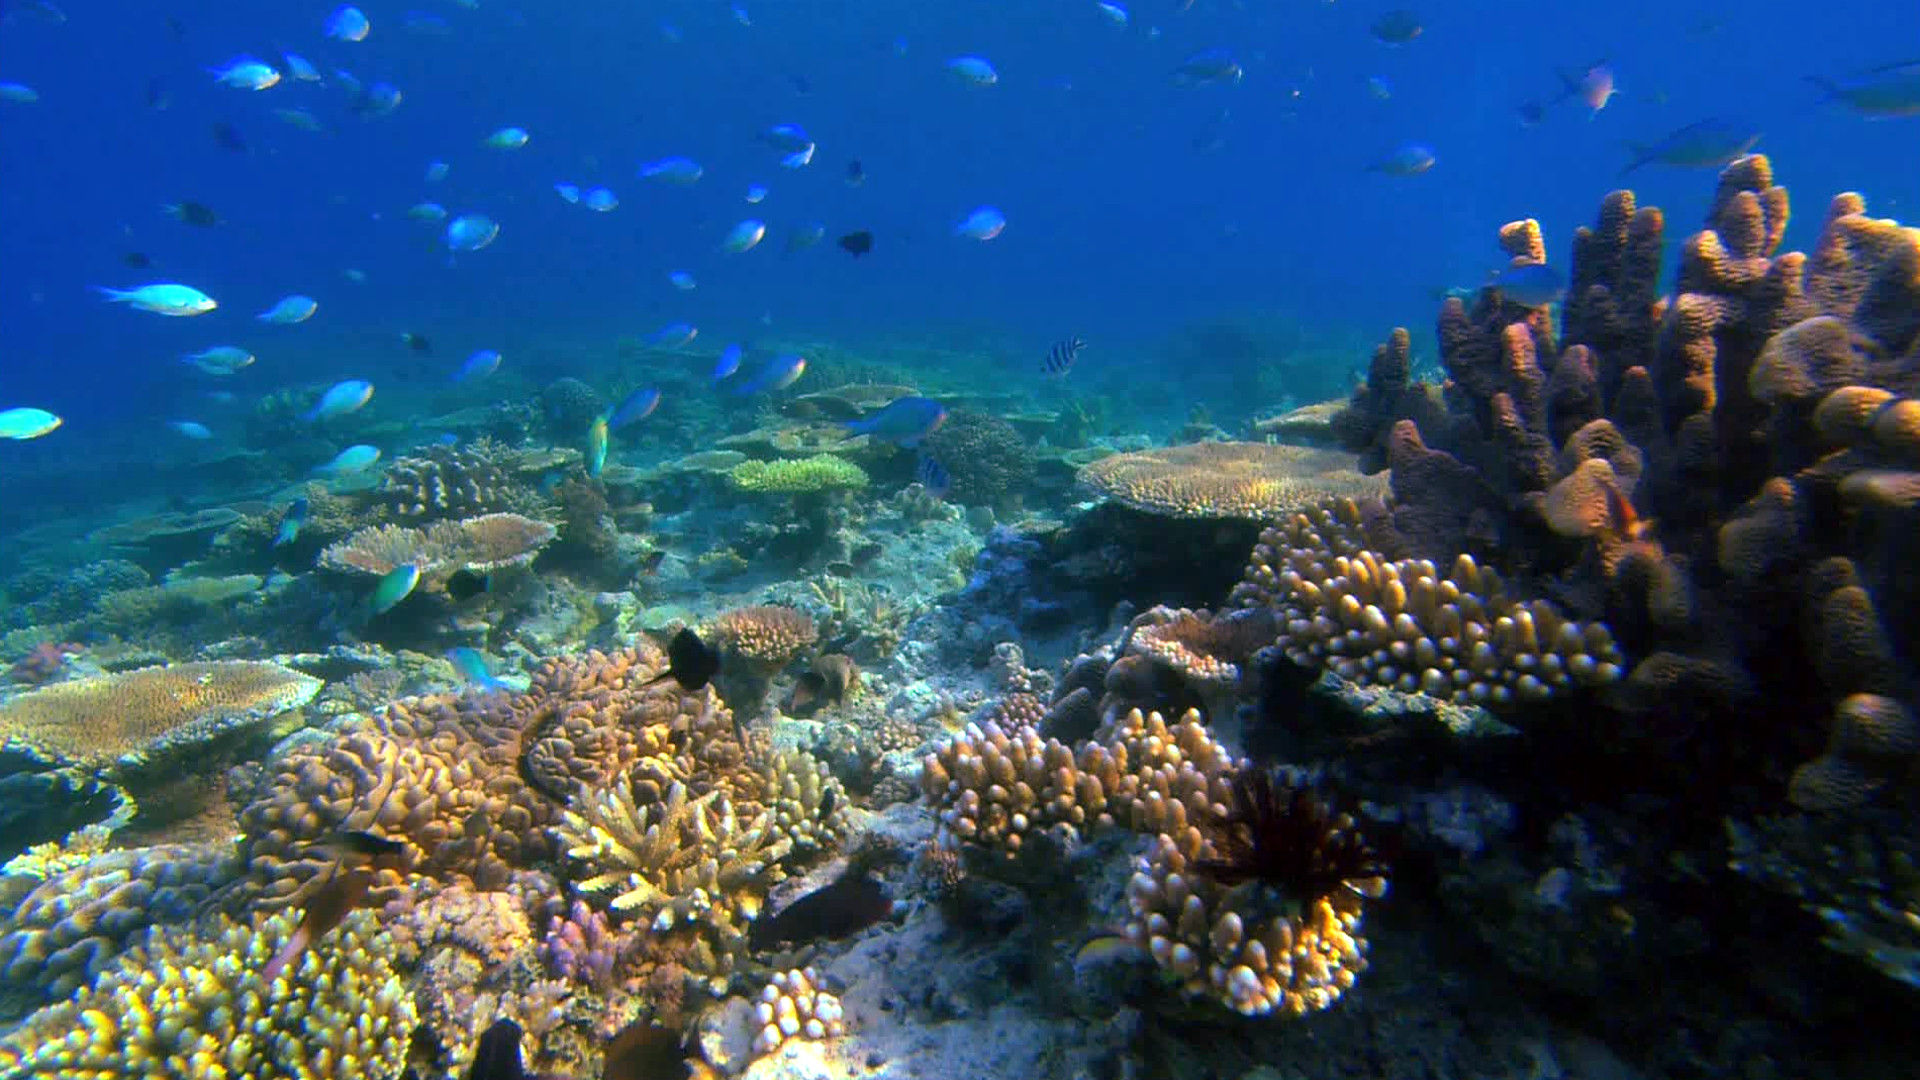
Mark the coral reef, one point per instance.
(484, 543)
(792, 1006)
(804, 476)
(437, 483)
(1226, 479)
(987, 461)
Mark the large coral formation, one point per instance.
(987, 462)
(483, 543)
(439, 482)
(1226, 479)
(804, 476)
(792, 1006)
(182, 1006)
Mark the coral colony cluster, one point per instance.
(1591, 647)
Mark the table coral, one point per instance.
(488, 542)
(192, 1007)
(1226, 480)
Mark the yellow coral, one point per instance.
(822, 472)
(141, 713)
(183, 1007)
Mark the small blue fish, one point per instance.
(354, 459)
(394, 587)
(1530, 284)
(1112, 12)
(471, 665)
(192, 429)
(162, 298)
(597, 442)
(568, 192)
(289, 310)
(728, 363)
(636, 407)
(1409, 159)
(340, 399)
(471, 232)
(220, 359)
(479, 365)
(347, 23)
(18, 93)
(432, 213)
(507, 138)
(932, 476)
(377, 100)
(599, 199)
(778, 374)
(425, 22)
(799, 159)
(757, 194)
(246, 73)
(1705, 144)
(973, 70)
(291, 523)
(1209, 67)
(740, 15)
(1396, 27)
(298, 68)
(786, 138)
(437, 171)
(27, 423)
(673, 335)
(983, 223)
(673, 170)
(682, 280)
(1891, 90)
(744, 236)
(1379, 87)
(903, 422)
(805, 236)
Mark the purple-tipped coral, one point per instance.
(581, 946)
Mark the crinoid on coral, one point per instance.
(1226, 480)
(190, 1006)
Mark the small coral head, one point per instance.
(1287, 842)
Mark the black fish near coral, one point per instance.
(1060, 358)
(856, 244)
(690, 662)
(850, 903)
(464, 585)
(643, 1050)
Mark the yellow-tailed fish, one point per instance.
(597, 446)
(396, 585)
(26, 423)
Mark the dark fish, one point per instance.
(1059, 359)
(856, 244)
(417, 342)
(498, 1055)
(157, 95)
(650, 564)
(856, 173)
(1397, 27)
(196, 214)
(851, 902)
(136, 260)
(690, 662)
(361, 842)
(464, 585)
(1531, 113)
(645, 1050)
(1704, 144)
(933, 476)
(228, 137)
(329, 904)
(291, 523)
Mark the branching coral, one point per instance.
(186, 1007)
(805, 476)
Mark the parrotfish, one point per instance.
(673, 170)
(904, 422)
(507, 138)
(973, 70)
(354, 459)
(983, 223)
(220, 359)
(744, 236)
(471, 232)
(728, 362)
(1878, 93)
(291, 523)
(1704, 144)
(348, 23)
(1594, 87)
(162, 298)
(481, 364)
(638, 406)
(471, 663)
(1408, 159)
(1208, 67)
(246, 73)
(396, 585)
(289, 310)
(340, 399)
(27, 423)
(597, 438)
(778, 374)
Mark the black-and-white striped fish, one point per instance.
(1059, 359)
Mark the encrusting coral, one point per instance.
(183, 1006)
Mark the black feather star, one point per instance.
(1290, 845)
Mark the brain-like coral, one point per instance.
(182, 1006)
(986, 459)
(439, 482)
(1227, 480)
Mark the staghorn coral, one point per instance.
(1402, 625)
(792, 1006)
(193, 1008)
(1226, 480)
(803, 476)
(439, 482)
(63, 934)
(484, 543)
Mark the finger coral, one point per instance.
(792, 1006)
(186, 1007)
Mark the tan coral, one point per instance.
(1227, 480)
(488, 542)
(765, 634)
(792, 1006)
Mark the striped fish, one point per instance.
(1059, 359)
